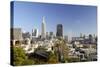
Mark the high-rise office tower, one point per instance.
(59, 32)
(81, 35)
(90, 38)
(16, 33)
(51, 33)
(66, 38)
(16, 36)
(26, 35)
(47, 35)
(43, 31)
(34, 32)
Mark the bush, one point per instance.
(28, 62)
(52, 58)
(18, 55)
(73, 59)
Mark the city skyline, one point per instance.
(51, 33)
(75, 19)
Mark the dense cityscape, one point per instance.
(50, 48)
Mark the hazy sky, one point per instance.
(75, 19)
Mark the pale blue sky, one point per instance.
(75, 19)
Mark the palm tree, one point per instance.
(61, 49)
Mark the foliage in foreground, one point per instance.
(20, 58)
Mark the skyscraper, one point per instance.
(16, 36)
(59, 32)
(43, 31)
(34, 32)
(81, 35)
(66, 38)
(26, 35)
(17, 33)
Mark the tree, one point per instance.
(72, 59)
(18, 56)
(52, 58)
(28, 62)
(61, 49)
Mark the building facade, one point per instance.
(35, 33)
(43, 31)
(59, 32)
(26, 35)
(17, 34)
